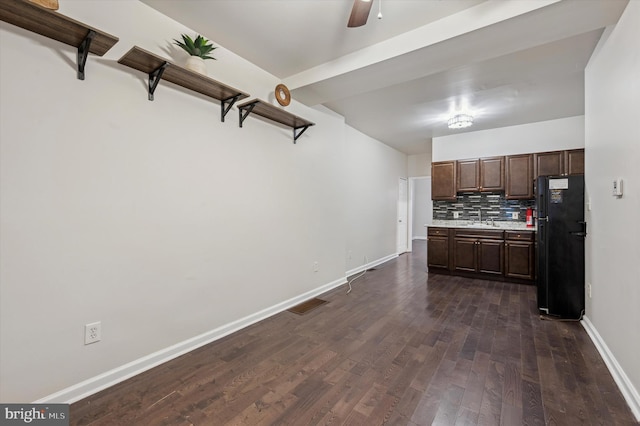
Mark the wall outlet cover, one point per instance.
(92, 332)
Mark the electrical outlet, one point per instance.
(316, 266)
(515, 215)
(92, 332)
(589, 290)
(456, 215)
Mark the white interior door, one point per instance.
(403, 229)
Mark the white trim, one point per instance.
(420, 238)
(629, 392)
(408, 232)
(102, 381)
(371, 264)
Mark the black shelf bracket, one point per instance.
(155, 77)
(247, 110)
(297, 134)
(83, 53)
(224, 108)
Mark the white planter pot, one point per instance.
(196, 63)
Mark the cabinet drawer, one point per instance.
(438, 231)
(479, 233)
(519, 235)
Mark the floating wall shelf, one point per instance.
(53, 25)
(159, 68)
(274, 113)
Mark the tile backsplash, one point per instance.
(492, 205)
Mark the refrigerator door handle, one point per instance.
(584, 227)
(582, 233)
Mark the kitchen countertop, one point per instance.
(466, 224)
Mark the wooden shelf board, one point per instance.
(274, 113)
(147, 62)
(53, 25)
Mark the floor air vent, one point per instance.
(307, 306)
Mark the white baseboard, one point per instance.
(95, 384)
(629, 392)
(371, 264)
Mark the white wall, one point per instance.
(612, 151)
(420, 164)
(422, 207)
(371, 204)
(552, 135)
(168, 226)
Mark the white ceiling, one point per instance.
(399, 78)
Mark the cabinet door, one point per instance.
(468, 175)
(548, 163)
(492, 174)
(491, 256)
(464, 258)
(443, 180)
(519, 177)
(574, 162)
(519, 260)
(438, 252)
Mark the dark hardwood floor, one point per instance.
(403, 348)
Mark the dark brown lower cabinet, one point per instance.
(520, 255)
(438, 252)
(483, 252)
(438, 248)
(465, 256)
(490, 257)
(478, 251)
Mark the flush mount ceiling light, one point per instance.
(460, 121)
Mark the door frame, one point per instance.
(404, 201)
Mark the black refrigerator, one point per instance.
(560, 246)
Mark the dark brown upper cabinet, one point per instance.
(443, 180)
(559, 163)
(513, 174)
(548, 163)
(492, 174)
(519, 174)
(468, 175)
(574, 162)
(484, 174)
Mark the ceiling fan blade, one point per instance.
(359, 13)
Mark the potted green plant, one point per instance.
(198, 50)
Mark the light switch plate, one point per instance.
(456, 215)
